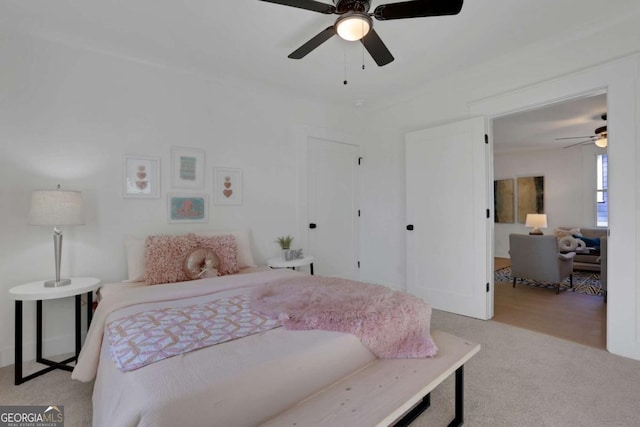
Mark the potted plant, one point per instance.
(285, 245)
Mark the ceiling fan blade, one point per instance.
(316, 41)
(417, 9)
(579, 143)
(315, 6)
(376, 48)
(575, 137)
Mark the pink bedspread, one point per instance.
(150, 336)
(392, 324)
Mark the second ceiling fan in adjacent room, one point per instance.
(599, 137)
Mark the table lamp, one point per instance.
(57, 208)
(537, 221)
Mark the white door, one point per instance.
(447, 201)
(332, 207)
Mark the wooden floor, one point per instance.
(572, 316)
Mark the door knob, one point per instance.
(312, 225)
(410, 227)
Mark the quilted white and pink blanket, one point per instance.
(148, 297)
(150, 336)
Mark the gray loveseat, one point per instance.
(537, 258)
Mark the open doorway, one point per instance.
(555, 145)
(615, 78)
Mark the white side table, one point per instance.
(36, 291)
(280, 263)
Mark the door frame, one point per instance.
(300, 135)
(619, 79)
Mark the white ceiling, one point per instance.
(250, 39)
(538, 129)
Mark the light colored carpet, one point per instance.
(52, 388)
(519, 378)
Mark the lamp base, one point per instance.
(536, 232)
(57, 283)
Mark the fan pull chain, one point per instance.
(345, 67)
(362, 23)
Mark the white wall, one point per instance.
(68, 116)
(569, 188)
(382, 252)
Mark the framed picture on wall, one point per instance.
(530, 196)
(141, 177)
(187, 208)
(503, 200)
(227, 186)
(187, 168)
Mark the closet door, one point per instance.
(448, 224)
(332, 207)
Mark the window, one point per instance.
(602, 195)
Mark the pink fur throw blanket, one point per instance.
(392, 324)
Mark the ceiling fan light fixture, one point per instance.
(602, 142)
(353, 26)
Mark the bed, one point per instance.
(241, 382)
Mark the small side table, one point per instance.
(280, 263)
(36, 291)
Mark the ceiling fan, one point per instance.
(599, 137)
(356, 23)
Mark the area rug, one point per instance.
(584, 282)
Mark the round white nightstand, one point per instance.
(280, 263)
(36, 291)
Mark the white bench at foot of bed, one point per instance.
(387, 391)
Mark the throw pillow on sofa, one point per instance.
(561, 232)
(567, 244)
(591, 243)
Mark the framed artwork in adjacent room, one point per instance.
(187, 168)
(530, 196)
(227, 186)
(503, 200)
(141, 177)
(187, 208)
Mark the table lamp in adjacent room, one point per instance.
(56, 208)
(536, 221)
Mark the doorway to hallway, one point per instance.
(558, 144)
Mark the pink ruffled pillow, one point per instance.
(164, 257)
(225, 248)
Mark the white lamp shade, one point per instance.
(56, 207)
(536, 220)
